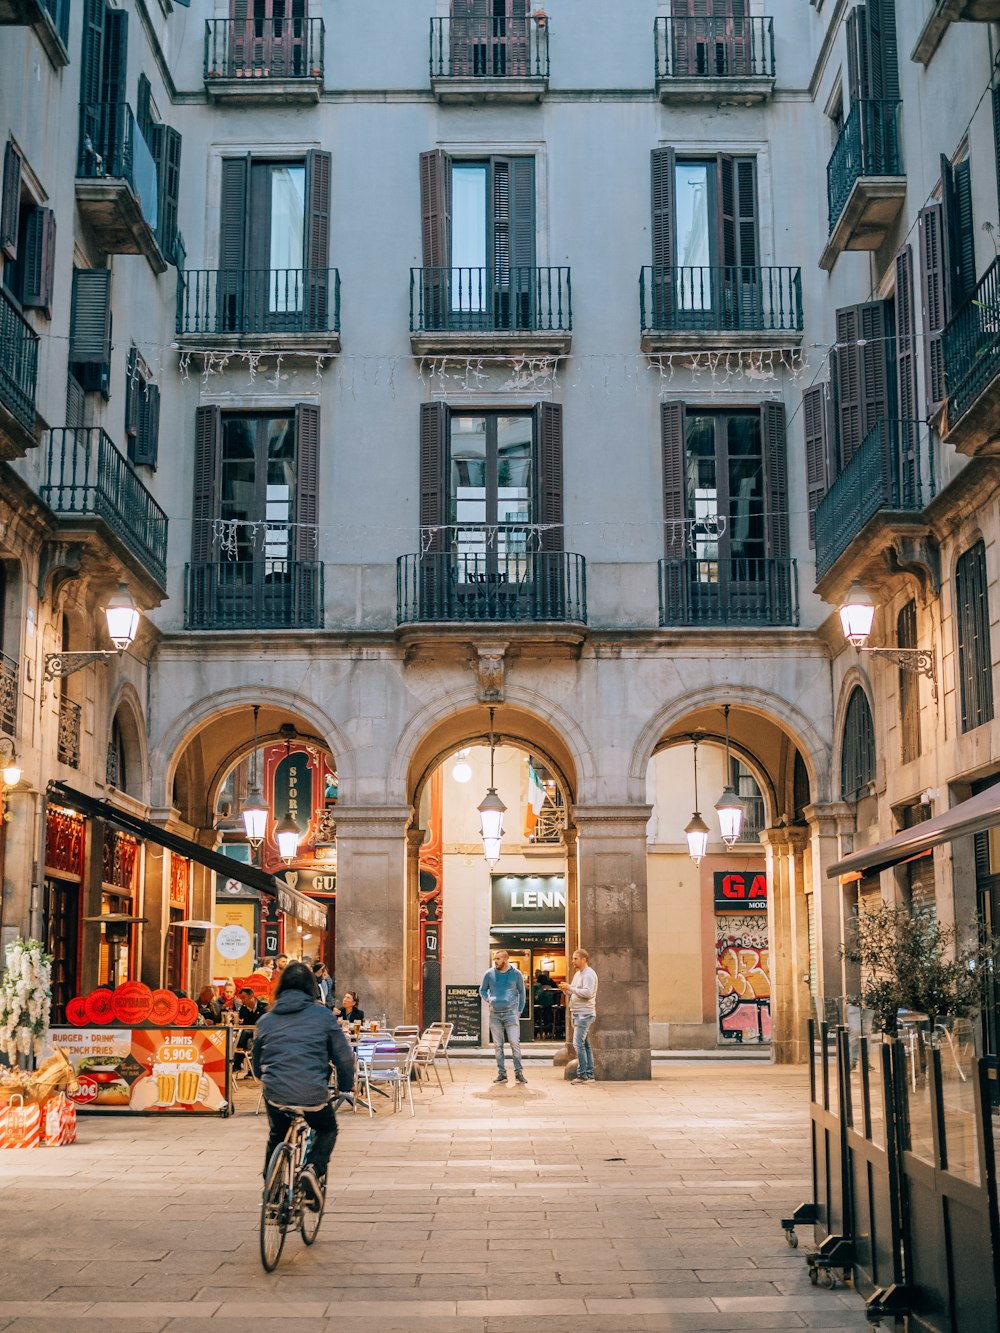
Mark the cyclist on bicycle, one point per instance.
(296, 1042)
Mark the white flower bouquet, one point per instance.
(25, 999)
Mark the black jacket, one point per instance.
(296, 1042)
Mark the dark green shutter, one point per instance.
(233, 220)
(522, 239)
(862, 360)
(549, 452)
(995, 95)
(165, 145)
(883, 50)
(114, 66)
(662, 175)
(858, 63)
(133, 387)
(143, 111)
(317, 238)
(38, 261)
(963, 234)
(816, 428)
(10, 201)
(90, 317)
(143, 448)
(772, 432)
(738, 292)
(207, 450)
(935, 302)
(92, 51)
(307, 446)
(672, 448)
(76, 403)
(906, 357)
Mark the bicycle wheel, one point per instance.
(309, 1221)
(276, 1207)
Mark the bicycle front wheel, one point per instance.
(276, 1207)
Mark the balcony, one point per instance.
(264, 60)
(737, 592)
(68, 744)
(116, 186)
(264, 309)
(714, 60)
(943, 12)
(49, 18)
(865, 183)
(971, 345)
(254, 594)
(498, 585)
(463, 310)
(91, 487)
(730, 307)
(489, 59)
(9, 673)
(890, 476)
(18, 380)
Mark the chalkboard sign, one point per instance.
(463, 1006)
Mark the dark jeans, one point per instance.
(324, 1135)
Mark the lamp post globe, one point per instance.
(857, 615)
(697, 837)
(123, 618)
(287, 834)
(730, 810)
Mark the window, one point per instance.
(975, 665)
(27, 239)
(268, 38)
(801, 796)
(274, 244)
(715, 40)
(478, 242)
(745, 785)
(864, 373)
(142, 412)
(857, 760)
(872, 53)
(489, 39)
(117, 770)
(909, 696)
(90, 330)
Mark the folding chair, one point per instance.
(446, 1029)
(424, 1055)
(387, 1063)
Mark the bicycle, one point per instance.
(285, 1203)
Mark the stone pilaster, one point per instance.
(371, 906)
(414, 841)
(827, 824)
(614, 929)
(788, 944)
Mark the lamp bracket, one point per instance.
(64, 664)
(490, 664)
(920, 660)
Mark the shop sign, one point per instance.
(740, 891)
(270, 928)
(463, 1006)
(319, 882)
(148, 1070)
(64, 837)
(179, 870)
(528, 900)
(233, 942)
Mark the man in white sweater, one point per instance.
(582, 993)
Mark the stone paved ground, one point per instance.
(606, 1207)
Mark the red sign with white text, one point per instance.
(740, 891)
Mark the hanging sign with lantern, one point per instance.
(297, 778)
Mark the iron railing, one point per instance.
(258, 301)
(9, 672)
(112, 147)
(892, 469)
(473, 300)
(500, 47)
(264, 48)
(18, 362)
(524, 586)
(86, 476)
(68, 745)
(869, 145)
(972, 345)
(714, 48)
(735, 591)
(254, 594)
(734, 298)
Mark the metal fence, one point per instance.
(972, 345)
(254, 594)
(264, 48)
(258, 301)
(737, 591)
(491, 47)
(112, 147)
(869, 145)
(18, 362)
(733, 298)
(475, 300)
(737, 47)
(525, 586)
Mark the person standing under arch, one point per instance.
(582, 995)
(503, 991)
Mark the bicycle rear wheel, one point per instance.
(276, 1207)
(309, 1221)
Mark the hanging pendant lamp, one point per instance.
(697, 830)
(729, 807)
(254, 811)
(491, 813)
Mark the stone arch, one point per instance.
(761, 775)
(126, 710)
(785, 716)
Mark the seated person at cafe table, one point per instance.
(349, 1010)
(249, 1011)
(208, 1006)
(229, 1002)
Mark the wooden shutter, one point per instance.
(549, 452)
(90, 317)
(522, 238)
(234, 205)
(38, 263)
(934, 301)
(133, 388)
(10, 202)
(435, 213)
(772, 432)
(207, 450)
(962, 243)
(816, 425)
(319, 165)
(906, 357)
(92, 51)
(433, 474)
(738, 291)
(858, 56)
(672, 445)
(143, 448)
(883, 51)
(143, 113)
(115, 63)
(995, 96)
(76, 403)
(307, 439)
(861, 378)
(165, 145)
(662, 176)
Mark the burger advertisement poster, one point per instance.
(147, 1070)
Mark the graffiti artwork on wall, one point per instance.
(743, 981)
(430, 908)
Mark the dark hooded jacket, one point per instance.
(296, 1041)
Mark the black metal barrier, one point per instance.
(904, 1179)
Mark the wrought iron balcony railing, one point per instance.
(714, 48)
(892, 469)
(471, 300)
(869, 145)
(734, 591)
(258, 301)
(501, 585)
(87, 477)
(266, 593)
(733, 299)
(18, 363)
(112, 147)
(264, 48)
(9, 673)
(499, 47)
(68, 744)
(972, 345)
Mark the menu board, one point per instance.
(463, 1006)
(148, 1070)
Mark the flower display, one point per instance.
(25, 999)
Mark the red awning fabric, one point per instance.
(972, 816)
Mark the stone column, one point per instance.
(372, 906)
(414, 842)
(788, 944)
(827, 823)
(572, 892)
(615, 930)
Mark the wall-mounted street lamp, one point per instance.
(697, 830)
(491, 813)
(11, 771)
(856, 617)
(729, 807)
(122, 616)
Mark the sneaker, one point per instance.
(312, 1187)
(580, 1078)
(520, 1077)
(500, 1078)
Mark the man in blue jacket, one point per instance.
(297, 1040)
(503, 991)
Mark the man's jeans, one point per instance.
(506, 1024)
(585, 1056)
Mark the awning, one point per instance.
(972, 816)
(290, 900)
